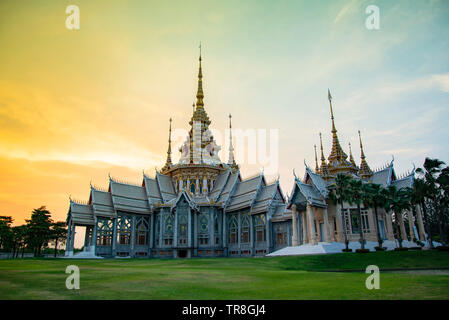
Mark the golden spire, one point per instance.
(199, 93)
(323, 169)
(168, 163)
(337, 153)
(351, 158)
(199, 113)
(365, 171)
(317, 169)
(231, 161)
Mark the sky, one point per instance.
(77, 105)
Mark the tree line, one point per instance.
(34, 236)
(430, 192)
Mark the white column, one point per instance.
(420, 223)
(94, 236)
(411, 224)
(133, 235)
(295, 227)
(340, 227)
(304, 228)
(69, 235)
(205, 190)
(312, 235)
(402, 227)
(189, 228)
(389, 226)
(326, 226)
(197, 186)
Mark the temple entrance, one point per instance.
(321, 232)
(182, 253)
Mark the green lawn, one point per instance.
(228, 278)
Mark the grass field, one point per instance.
(299, 277)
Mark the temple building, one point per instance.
(198, 207)
(202, 207)
(318, 219)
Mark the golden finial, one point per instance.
(337, 153)
(365, 171)
(317, 169)
(168, 163)
(199, 114)
(323, 169)
(200, 94)
(231, 160)
(361, 146)
(351, 158)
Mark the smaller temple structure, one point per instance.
(316, 218)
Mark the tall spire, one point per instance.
(199, 113)
(231, 161)
(365, 171)
(351, 158)
(168, 163)
(199, 93)
(317, 169)
(324, 171)
(337, 156)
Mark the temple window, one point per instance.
(233, 229)
(124, 229)
(203, 235)
(142, 231)
(244, 237)
(281, 235)
(104, 232)
(259, 224)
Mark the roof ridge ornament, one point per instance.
(337, 153)
(168, 163)
(231, 160)
(365, 171)
(324, 170)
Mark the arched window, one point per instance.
(281, 234)
(244, 236)
(168, 230)
(204, 223)
(192, 187)
(233, 229)
(169, 224)
(142, 231)
(259, 225)
(104, 232)
(124, 229)
(204, 229)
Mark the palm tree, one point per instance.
(374, 198)
(339, 195)
(397, 201)
(418, 196)
(356, 195)
(431, 172)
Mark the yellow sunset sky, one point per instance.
(76, 105)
